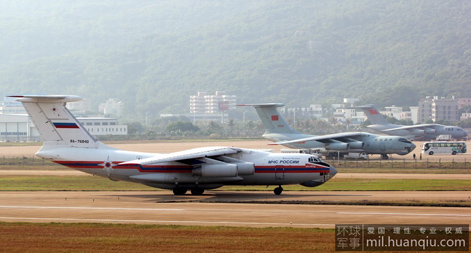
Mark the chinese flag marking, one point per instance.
(373, 111)
(274, 117)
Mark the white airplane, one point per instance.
(429, 131)
(66, 142)
(278, 130)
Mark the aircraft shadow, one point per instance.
(241, 197)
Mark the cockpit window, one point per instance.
(404, 140)
(314, 159)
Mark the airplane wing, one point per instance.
(329, 138)
(421, 126)
(186, 155)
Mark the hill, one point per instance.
(154, 55)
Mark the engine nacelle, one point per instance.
(245, 168)
(418, 132)
(216, 170)
(430, 131)
(356, 145)
(337, 146)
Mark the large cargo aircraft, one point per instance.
(279, 131)
(421, 131)
(67, 142)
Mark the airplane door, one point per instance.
(279, 172)
(383, 146)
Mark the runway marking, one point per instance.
(167, 221)
(409, 214)
(93, 208)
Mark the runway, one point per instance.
(162, 207)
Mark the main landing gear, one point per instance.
(182, 191)
(278, 190)
(179, 191)
(197, 191)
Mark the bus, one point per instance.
(444, 147)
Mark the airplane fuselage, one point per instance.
(428, 132)
(268, 168)
(369, 143)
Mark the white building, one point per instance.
(112, 106)
(81, 107)
(15, 128)
(204, 106)
(392, 111)
(465, 116)
(103, 126)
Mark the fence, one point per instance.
(440, 163)
(25, 161)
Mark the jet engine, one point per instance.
(216, 170)
(356, 145)
(337, 146)
(224, 167)
(243, 168)
(430, 131)
(418, 132)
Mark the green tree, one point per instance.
(179, 126)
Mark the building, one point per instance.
(445, 109)
(351, 101)
(438, 109)
(393, 111)
(81, 107)
(424, 111)
(208, 107)
(103, 126)
(16, 128)
(463, 102)
(414, 114)
(112, 106)
(20, 128)
(465, 116)
(11, 106)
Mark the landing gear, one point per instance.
(179, 191)
(197, 191)
(384, 156)
(278, 190)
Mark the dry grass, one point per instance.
(22, 237)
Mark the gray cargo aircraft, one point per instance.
(278, 130)
(427, 131)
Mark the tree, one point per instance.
(179, 126)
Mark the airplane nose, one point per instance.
(333, 171)
(412, 146)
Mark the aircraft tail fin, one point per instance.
(271, 118)
(373, 114)
(55, 123)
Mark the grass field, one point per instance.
(30, 237)
(93, 183)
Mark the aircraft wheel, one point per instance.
(453, 153)
(179, 191)
(197, 191)
(430, 153)
(278, 190)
